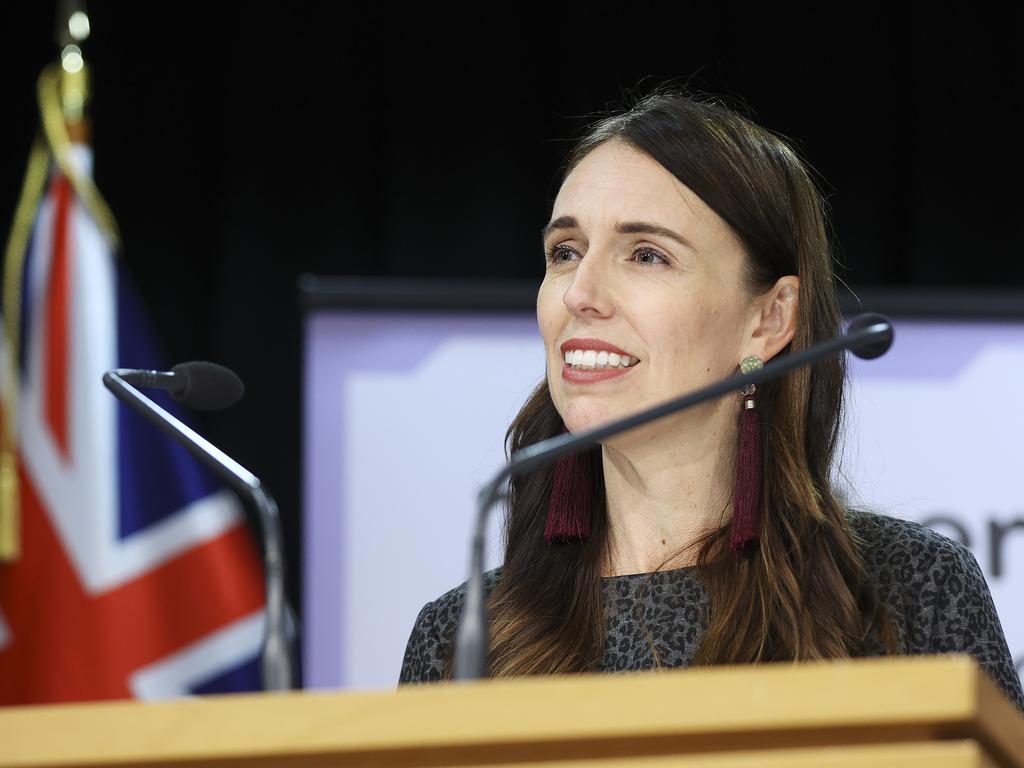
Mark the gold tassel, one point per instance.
(32, 188)
(51, 112)
(10, 507)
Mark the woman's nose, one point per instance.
(589, 294)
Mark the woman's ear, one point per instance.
(774, 318)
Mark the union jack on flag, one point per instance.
(136, 575)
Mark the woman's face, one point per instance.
(644, 288)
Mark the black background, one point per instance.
(242, 145)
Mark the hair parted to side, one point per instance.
(805, 593)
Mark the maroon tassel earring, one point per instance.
(571, 503)
(746, 506)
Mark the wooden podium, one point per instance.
(934, 711)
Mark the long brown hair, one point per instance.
(805, 593)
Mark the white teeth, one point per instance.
(590, 359)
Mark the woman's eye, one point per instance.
(648, 256)
(560, 254)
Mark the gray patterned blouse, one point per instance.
(931, 584)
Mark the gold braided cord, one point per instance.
(54, 142)
(51, 113)
(32, 188)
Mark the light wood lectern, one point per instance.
(934, 711)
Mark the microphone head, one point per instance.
(206, 386)
(878, 343)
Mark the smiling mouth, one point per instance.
(591, 360)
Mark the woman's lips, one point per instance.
(591, 375)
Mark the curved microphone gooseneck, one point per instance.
(208, 386)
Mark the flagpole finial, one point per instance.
(73, 28)
(72, 22)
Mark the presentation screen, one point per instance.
(406, 414)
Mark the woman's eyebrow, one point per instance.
(645, 228)
(562, 222)
(625, 228)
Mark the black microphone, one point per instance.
(877, 344)
(200, 385)
(211, 386)
(868, 336)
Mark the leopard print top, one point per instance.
(931, 584)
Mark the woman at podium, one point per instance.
(687, 243)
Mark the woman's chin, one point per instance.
(584, 419)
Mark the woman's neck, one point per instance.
(663, 493)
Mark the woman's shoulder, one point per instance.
(447, 608)
(896, 534)
(914, 566)
(937, 593)
(433, 631)
(901, 550)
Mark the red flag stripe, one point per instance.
(56, 366)
(68, 645)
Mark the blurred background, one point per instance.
(242, 145)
